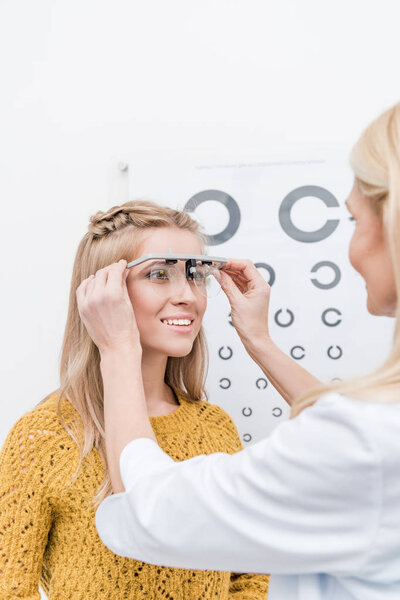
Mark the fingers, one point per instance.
(237, 277)
(100, 279)
(240, 276)
(82, 288)
(117, 276)
(232, 288)
(110, 277)
(244, 269)
(238, 265)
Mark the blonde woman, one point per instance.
(53, 465)
(319, 500)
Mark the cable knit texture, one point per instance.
(47, 527)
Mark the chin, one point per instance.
(173, 350)
(178, 354)
(377, 310)
(371, 308)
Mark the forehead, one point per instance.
(161, 239)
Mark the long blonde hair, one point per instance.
(375, 160)
(113, 235)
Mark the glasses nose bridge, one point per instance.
(176, 271)
(179, 277)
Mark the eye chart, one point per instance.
(287, 215)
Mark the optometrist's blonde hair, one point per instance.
(375, 160)
(113, 235)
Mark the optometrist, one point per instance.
(319, 499)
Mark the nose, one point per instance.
(184, 290)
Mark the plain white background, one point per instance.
(86, 84)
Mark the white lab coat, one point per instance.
(317, 501)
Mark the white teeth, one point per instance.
(177, 321)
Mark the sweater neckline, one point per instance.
(180, 414)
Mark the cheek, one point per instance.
(201, 306)
(145, 304)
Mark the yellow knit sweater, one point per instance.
(47, 527)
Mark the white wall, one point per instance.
(85, 84)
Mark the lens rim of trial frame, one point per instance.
(201, 286)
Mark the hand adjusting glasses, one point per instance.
(166, 276)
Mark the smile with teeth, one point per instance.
(177, 322)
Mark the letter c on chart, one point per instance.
(230, 353)
(226, 384)
(329, 352)
(297, 356)
(233, 211)
(271, 271)
(288, 323)
(277, 412)
(331, 324)
(336, 273)
(290, 200)
(263, 381)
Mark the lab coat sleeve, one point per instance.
(304, 500)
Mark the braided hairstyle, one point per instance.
(113, 235)
(136, 214)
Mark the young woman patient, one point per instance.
(53, 471)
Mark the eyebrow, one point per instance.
(149, 263)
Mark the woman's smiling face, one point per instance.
(151, 306)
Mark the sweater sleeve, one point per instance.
(306, 499)
(25, 510)
(243, 586)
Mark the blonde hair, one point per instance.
(375, 160)
(112, 235)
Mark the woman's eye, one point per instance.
(158, 275)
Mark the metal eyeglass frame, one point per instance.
(190, 259)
